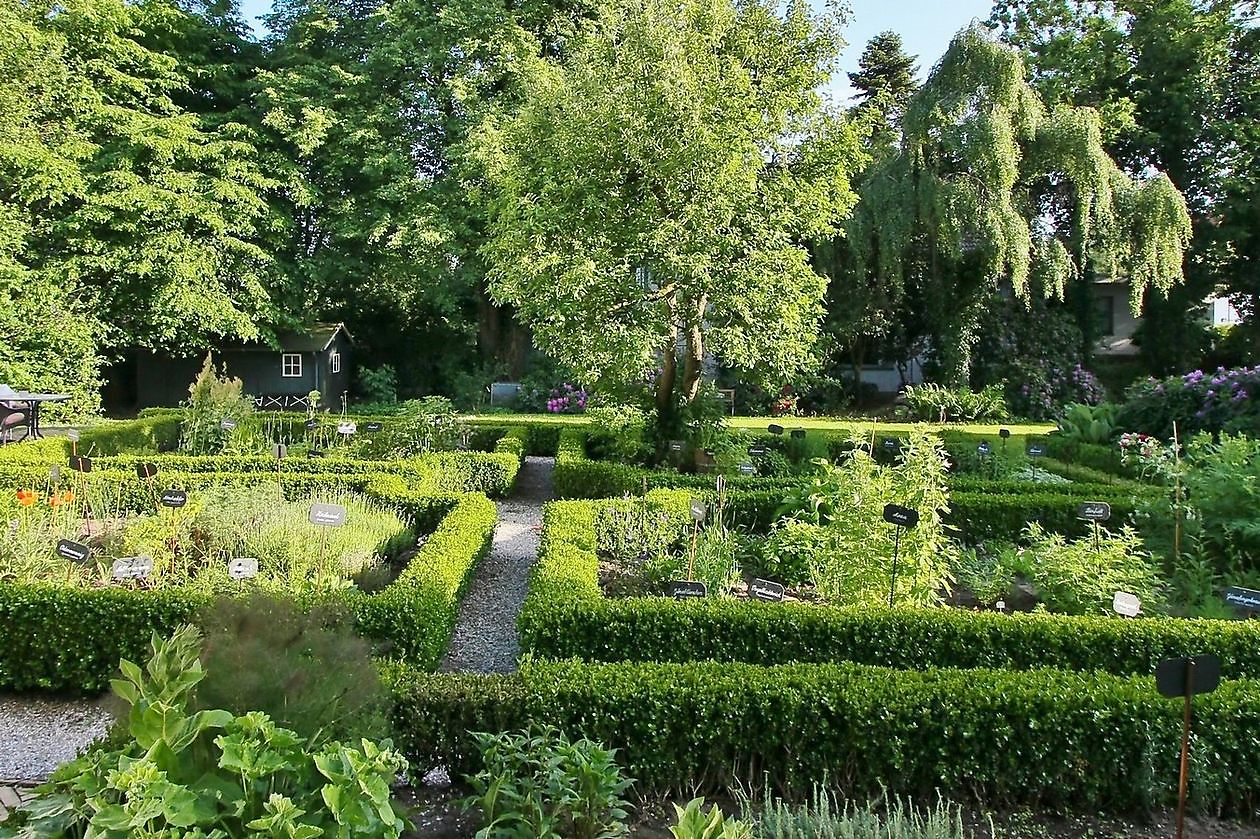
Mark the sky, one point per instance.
(926, 26)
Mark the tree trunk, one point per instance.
(669, 369)
(694, 367)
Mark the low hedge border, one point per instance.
(63, 639)
(1046, 738)
(567, 616)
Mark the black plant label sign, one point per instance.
(891, 444)
(774, 428)
(900, 516)
(1036, 450)
(1170, 676)
(757, 450)
(798, 433)
(984, 449)
(687, 590)
(1247, 599)
(698, 510)
(174, 498)
(1004, 433)
(73, 551)
(81, 464)
(315, 453)
(747, 469)
(312, 424)
(328, 515)
(373, 427)
(1094, 511)
(675, 445)
(765, 590)
(146, 470)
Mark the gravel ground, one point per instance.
(37, 734)
(485, 639)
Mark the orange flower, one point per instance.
(56, 500)
(26, 498)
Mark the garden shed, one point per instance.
(278, 377)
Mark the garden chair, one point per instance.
(12, 416)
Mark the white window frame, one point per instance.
(334, 361)
(286, 365)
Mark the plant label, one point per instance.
(73, 551)
(315, 453)
(774, 428)
(1000, 605)
(984, 449)
(174, 498)
(347, 428)
(145, 471)
(133, 568)
(675, 446)
(1126, 604)
(798, 434)
(1094, 511)
(227, 424)
(373, 427)
(900, 516)
(73, 435)
(328, 515)
(1004, 433)
(757, 450)
(1247, 599)
(698, 510)
(312, 424)
(243, 568)
(1036, 450)
(687, 590)
(81, 464)
(1170, 676)
(890, 444)
(767, 591)
(280, 451)
(747, 469)
(54, 474)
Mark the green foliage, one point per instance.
(536, 784)
(1001, 737)
(617, 433)
(826, 816)
(379, 385)
(937, 403)
(1223, 401)
(211, 400)
(694, 823)
(596, 195)
(1072, 577)
(421, 426)
(305, 668)
(1095, 425)
(177, 777)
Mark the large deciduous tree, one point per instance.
(989, 189)
(652, 193)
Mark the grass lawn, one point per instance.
(865, 426)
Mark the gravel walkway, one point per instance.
(485, 639)
(38, 734)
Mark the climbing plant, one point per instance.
(990, 189)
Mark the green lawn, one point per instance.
(865, 426)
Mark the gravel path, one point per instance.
(38, 734)
(485, 639)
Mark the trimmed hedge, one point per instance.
(63, 639)
(567, 616)
(1047, 738)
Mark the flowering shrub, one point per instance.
(567, 399)
(1212, 402)
(785, 404)
(1151, 457)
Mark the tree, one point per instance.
(652, 192)
(990, 190)
(1175, 82)
(886, 78)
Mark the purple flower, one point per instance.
(1240, 396)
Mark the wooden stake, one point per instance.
(1183, 781)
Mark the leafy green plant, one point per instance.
(211, 401)
(825, 816)
(617, 433)
(379, 385)
(307, 669)
(423, 425)
(536, 784)
(210, 773)
(931, 402)
(1090, 424)
(694, 823)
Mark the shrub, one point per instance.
(1093, 425)
(306, 669)
(379, 385)
(695, 823)
(936, 403)
(617, 433)
(1045, 737)
(825, 815)
(176, 776)
(1213, 402)
(211, 401)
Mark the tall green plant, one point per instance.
(212, 400)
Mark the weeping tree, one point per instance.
(989, 190)
(652, 194)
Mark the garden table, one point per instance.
(32, 401)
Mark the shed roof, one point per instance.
(316, 339)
